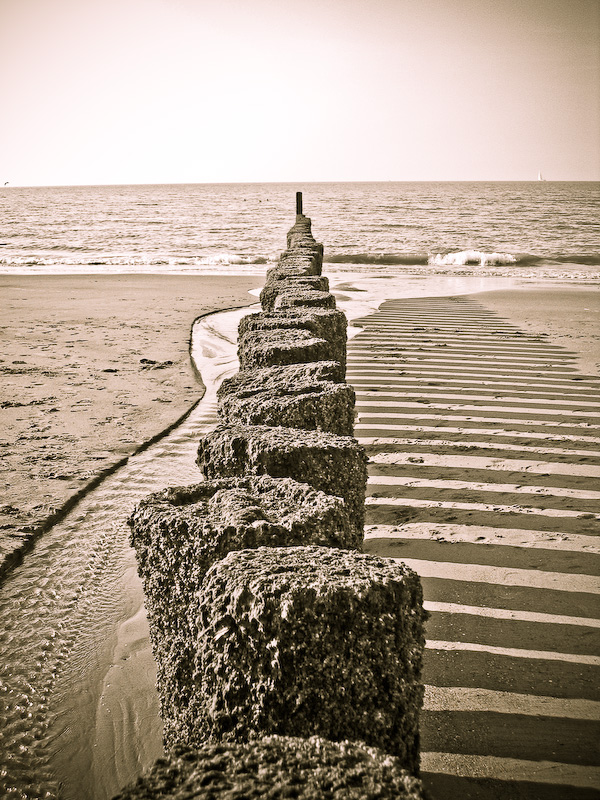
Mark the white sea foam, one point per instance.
(465, 257)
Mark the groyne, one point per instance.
(276, 639)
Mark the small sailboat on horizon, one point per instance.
(540, 176)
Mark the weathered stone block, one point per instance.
(311, 641)
(276, 347)
(277, 768)
(333, 464)
(180, 532)
(291, 296)
(308, 257)
(275, 286)
(300, 239)
(281, 271)
(328, 324)
(293, 396)
(300, 231)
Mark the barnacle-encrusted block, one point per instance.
(179, 532)
(293, 396)
(276, 347)
(277, 768)
(309, 256)
(333, 464)
(328, 324)
(311, 641)
(275, 286)
(301, 231)
(292, 296)
(293, 270)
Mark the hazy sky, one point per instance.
(161, 91)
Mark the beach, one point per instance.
(479, 414)
(93, 367)
(112, 323)
(567, 315)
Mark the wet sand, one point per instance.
(92, 367)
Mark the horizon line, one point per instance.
(9, 185)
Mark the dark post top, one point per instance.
(298, 202)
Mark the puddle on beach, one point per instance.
(80, 712)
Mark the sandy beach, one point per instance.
(566, 315)
(125, 323)
(93, 366)
(96, 365)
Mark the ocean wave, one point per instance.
(384, 259)
(462, 258)
(213, 260)
(589, 259)
(471, 257)
(475, 261)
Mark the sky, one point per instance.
(210, 91)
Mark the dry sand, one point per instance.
(93, 366)
(565, 315)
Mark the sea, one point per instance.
(538, 229)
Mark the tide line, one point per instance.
(460, 353)
(559, 437)
(495, 369)
(381, 441)
(399, 383)
(424, 409)
(493, 396)
(397, 335)
(510, 614)
(410, 502)
(485, 405)
(472, 486)
(400, 371)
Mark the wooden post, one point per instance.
(298, 202)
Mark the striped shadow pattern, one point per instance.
(484, 467)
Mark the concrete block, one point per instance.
(291, 296)
(311, 641)
(292, 396)
(276, 347)
(274, 286)
(333, 464)
(180, 532)
(277, 768)
(328, 324)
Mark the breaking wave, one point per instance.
(380, 258)
(43, 263)
(471, 257)
(462, 258)
(223, 262)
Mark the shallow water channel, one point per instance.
(78, 706)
